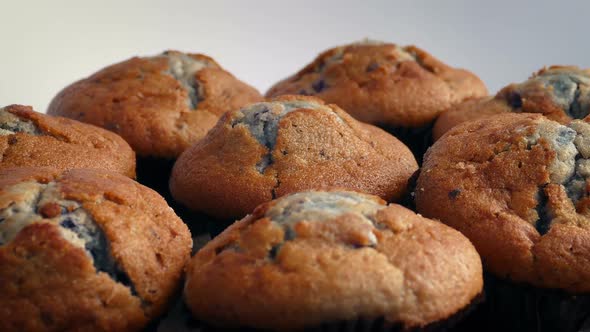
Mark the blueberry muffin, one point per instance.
(561, 93)
(28, 138)
(336, 259)
(516, 186)
(289, 144)
(160, 105)
(402, 88)
(85, 250)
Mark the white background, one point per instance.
(49, 44)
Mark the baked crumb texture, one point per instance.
(517, 186)
(160, 104)
(289, 144)
(383, 83)
(561, 93)
(322, 257)
(28, 138)
(85, 250)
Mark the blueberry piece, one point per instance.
(372, 66)
(566, 135)
(454, 193)
(274, 251)
(68, 223)
(289, 234)
(515, 100)
(320, 67)
(319, 85)
(544, 222)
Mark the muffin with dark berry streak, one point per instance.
(85, 250)
(28, 138)
(561, 93)
(401, 88)
(160, 105)
(517, 186)
(331, 261)
(289, 144)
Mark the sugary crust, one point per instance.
(48, 284)
(313, 150)
(484, 179)
(419, 272)
(384, 83)
(64, 144)
(148, 107)
(531, 96)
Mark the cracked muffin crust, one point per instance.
(289, 144)
(516, 186)
(319, 257)
(561, 93)
(383, 83)
(28, 138)
(160, 104)
(85, 250)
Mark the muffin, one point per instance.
(561, 93)
(31, 139)
(334, 259)
(160, 105)
(85, 250)
(289, 144)
(401, 88)
(516, 186)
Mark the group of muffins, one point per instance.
(322, 175)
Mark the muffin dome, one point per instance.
(561, 93)
(516, 185)
(160, 104)
(383, 83)
(333, 259)
(28, 138)
(88, 242)
(290, 144)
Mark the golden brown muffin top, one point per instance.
(383, 83)
(319, 257)
(85, 250)
(160, 104)
(516, 186)
(31, 139)
(468, 110)
(561, 93)
(289, 144)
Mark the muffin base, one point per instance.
(519, 307)
(180, 320)
(418, 140)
